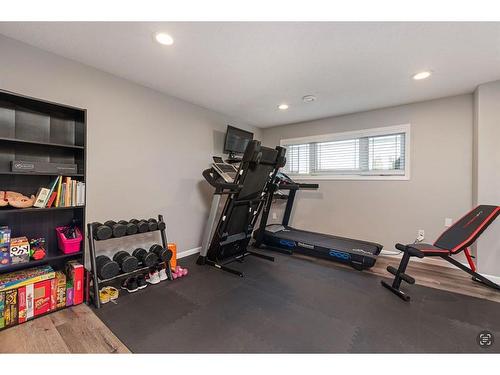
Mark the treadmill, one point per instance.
(282, 237)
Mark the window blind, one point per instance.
(365, 155)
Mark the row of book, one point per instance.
(63, 192)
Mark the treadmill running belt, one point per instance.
(359, 254)
(326, 240)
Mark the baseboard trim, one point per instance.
(189, 252)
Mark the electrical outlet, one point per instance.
(275, 216)
(421, 234)
(448, 221)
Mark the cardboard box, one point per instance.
(75, 272)
(60, 289)
(19, 250)
(69, 293)
(30, 301)
(42, 297)
(4, 246)
(21, 303)
(2, 307)
(53, 294)
(14, 280)
(10, 310)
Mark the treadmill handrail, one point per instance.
(208, 174)
(297, 186)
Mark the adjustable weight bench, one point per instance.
(455, 239)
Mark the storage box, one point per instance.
(21, 301)
(43, 167)
(75, 272)
(60, 289)
(42, 297)
(2, 307)
(19, 250)
(30, 301)
(4, 246)
(10, 310)
(14, 280)
(68, 245)
(69, 293)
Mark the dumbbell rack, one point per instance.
(92, 251)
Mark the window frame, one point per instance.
(342, 136)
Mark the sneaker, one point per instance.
(141, 282)
(104, 295)
(163, 274)
(153, 277)
(130, 284)
(113, 293)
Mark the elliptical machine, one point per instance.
(245, 188)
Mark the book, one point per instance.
(41, 197)
(52, 188)
(51, 200)
(73, 195)
(67, 196)
(58, 198)
(63, 195)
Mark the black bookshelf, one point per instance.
(40, 131)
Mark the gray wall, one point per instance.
(487, 171)
(392, 211)
(146, 150)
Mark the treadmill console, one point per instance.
(227, 171)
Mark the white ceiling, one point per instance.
(245, 70)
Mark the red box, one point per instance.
(21, 303)
(42, 298)
(75, 271)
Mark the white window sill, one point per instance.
(347, 177)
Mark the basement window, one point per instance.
(372, 154)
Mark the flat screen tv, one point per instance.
(236, 140)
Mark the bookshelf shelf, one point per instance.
(38, 174)
(49, 144)
(35, 263)
(40, 131)
(34, 209)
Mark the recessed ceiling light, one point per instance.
(283, 107)
(164, 38)
(308, 98)
(422, 75)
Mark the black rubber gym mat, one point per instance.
(295, 305)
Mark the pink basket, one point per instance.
(68, 245)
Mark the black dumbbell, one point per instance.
(159, 224)
(127, 262)
(131, 227)
(106, 268)
(163, 254)
(119, 230)
(147, 259)
(101, 232)
(152, 224)
(141, 225)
